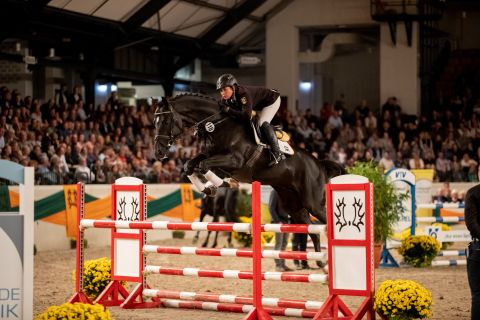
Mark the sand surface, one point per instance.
(54, 285)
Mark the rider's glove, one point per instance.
(224, 108)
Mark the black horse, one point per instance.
(222, 204)
(231, 150)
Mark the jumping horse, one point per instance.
(230, 150)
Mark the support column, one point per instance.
(282, 61)
(399, 68)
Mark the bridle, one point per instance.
(171, 136)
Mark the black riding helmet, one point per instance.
(226, 80)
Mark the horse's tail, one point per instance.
(332, 168)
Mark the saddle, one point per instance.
(282, 137)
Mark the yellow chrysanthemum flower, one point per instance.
(76, 311)
(96, 276)
(419, 251)
(403, 299)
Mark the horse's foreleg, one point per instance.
(203, 213)
(207, 188)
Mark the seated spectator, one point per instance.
(44, 174)
(2, 138)
(342, 156)
(443, 168)
(416, 162)
(83, 172)
(454, 196)
(386, 161)
(457, 172)
(371, 123)
(469, 168)
(444, 193)
(99, 172)
(472, 172)
(400, 162)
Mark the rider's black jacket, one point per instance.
(248, 98)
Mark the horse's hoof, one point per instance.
(323, 266)
(210, 191)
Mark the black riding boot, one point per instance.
(269, 134)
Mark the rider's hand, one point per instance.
(224, 108)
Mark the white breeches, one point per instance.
(267, 113)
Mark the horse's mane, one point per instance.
(196, 95)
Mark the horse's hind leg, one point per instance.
(203, 213)
(303, 217)
(214, 244)
(215, 219)
(205, 243)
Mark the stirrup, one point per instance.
(276, 159)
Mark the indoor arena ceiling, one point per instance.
(183, 29)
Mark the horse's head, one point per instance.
(167, 126)
(186, 110)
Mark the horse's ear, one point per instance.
(164, 101)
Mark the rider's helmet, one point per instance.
(226, 80)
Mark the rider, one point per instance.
(239, 101)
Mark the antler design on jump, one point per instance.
(71, 198)
(358, 206)
(340, 213)
(122, 205)
(135, 210)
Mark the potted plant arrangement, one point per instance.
(75, 311)
(419, 251)
(388, 207)
(402, 300)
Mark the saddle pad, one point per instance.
(282, 135)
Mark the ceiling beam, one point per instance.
(143, 14)
(231, 18)
(88, 29)
(260, 26)
(209, 5)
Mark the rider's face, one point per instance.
(226, 92)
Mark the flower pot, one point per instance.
(377, 253)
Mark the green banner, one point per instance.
(52, 204)
(5, 199)
(159, 206)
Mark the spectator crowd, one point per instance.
(67, 140)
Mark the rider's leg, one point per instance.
(265, 116)
(269, 134)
